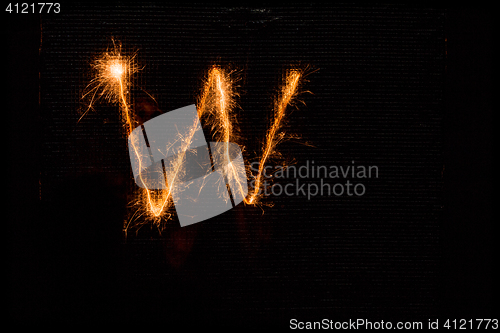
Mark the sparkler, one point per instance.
(216, 105)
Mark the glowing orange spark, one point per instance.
(112, 81)
(113, 71)
(215, 105)
(273, 136)
(173, 171)
(116, 69)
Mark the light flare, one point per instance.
(113, 72)
(274, 136)
(112, 80)
(216, 107)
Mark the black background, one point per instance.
(403, 88)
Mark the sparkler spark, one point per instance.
(112, 81)
(113, 72)
(217, 102)
(274, 136)
(216, 105)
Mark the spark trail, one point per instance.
(113, 72)
(274, 136)
(215, 105)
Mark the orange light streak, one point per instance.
(215, 105)
(113, 71)
(273, 136)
